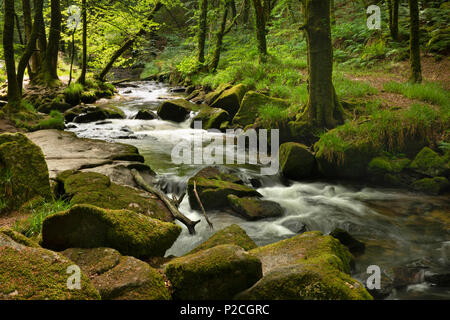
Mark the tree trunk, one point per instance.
(14, 96)
(19, 32)
(42, 38)
(246, 12)
(202, 25)
(233, 8)
(394, 30)
(28, 24)
(260, 24)
(31, 44)
(323, 108)
(219, 39)
(48, 73)
(127, 44)
(82, 78)
(332, 14)
(414, 42)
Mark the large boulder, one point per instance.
(213, 188)
(251, 103)
(213, 274)
(389, 171)
(230, 100)
(145, 115)
(430, 163)
(355, 246)
(253, 208)
(435, 185)
(90, 113)
(296, 161)
(86, 226)
(119, 277)
(211, 118)
(23, 172)
(232, 234)
(176, 110)
(38, 274)
(98, 190)
(307, 266)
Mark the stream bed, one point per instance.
(406, 234)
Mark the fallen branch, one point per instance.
(201, 206)
(169, 204)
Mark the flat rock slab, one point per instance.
(65, 151)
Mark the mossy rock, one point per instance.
(253, 209)
(213, 95)
(350, 163)
(19, 238)
(86, 226)
(213, 188)
(355, 246)
(230, 100)
(59, 103)
(192, 95)
(98, 190)
(436, 185)
(251, 103)
(217, 273)
(23, 171)
(176, 110)
(232, 234)
(85, 114)
(117, 277)
(145, 115)
(211, 118)
(28, 273)
(296, 161)
(307, 266)
(430, 163)
(389, 171)
(88, 96)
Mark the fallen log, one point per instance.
(169, 204)
(201, 206)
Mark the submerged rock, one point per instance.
(119, 277)
(212, 274)
(296, 161)
(214, 186)
(230, 99)
(254, 209)
(307, 266)
(38, 274)
(176, 110)
(232, 234)
(145, 115)
(86, 226)
(354, 246)
(23, 171)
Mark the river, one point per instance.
(405, 233)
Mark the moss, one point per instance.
(176, 110)
(434, 185)
(296, 161)
(83, 114)
(129, 157)
(39, 274)
(88, 97)
(23, 171)
(98, 190)
(19, 238)
(430, 163)
(86, 226)
(93, 261)
(232, 234)
(212, 96)
(389, 171)
(254, 209)
(230, 100)
(212, 118)
(251, 103)
(308, 266)
(216, 273)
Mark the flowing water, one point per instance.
(404, 233)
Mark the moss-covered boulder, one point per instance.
(88, 96)
(90, 113)
(119, 277)
(307, 266)
(213, 188)
(58, 103)
(436, 185)
(28, 273)
(389, 171)
(230, 100)
(213, 274)
(253, 208)
(212, 96)
(296, 161)
(23, 172)
(145, 115)
(176, 110)
(430, 163)
(86, 226)
(355, 246)
(251, 103)
(211, 118)
(19, 238)
(232, 234)
(98, 190)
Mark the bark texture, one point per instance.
(414, 42)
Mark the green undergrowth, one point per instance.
(428, 91)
